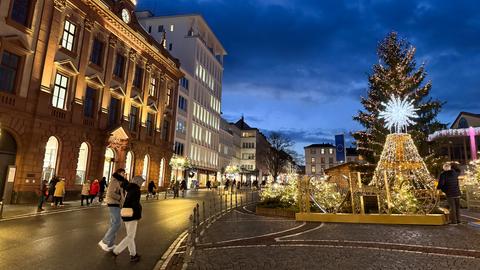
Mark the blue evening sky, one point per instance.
(300, 66)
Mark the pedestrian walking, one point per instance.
(226, 184)
(448, 183)
(85, 192)
(59, 192)
(131, 218)
(94, 188)
(51, 188)
(183, 187)
(209, 185)
(152, 189)
(43, 194)
(103, 185)
(114, 199)
(176, 189)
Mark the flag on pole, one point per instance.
(340, 147)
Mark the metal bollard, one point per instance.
(241, 201)
(194, 221)
(203, 211)
(226, 203)
(236, 200)
(198, 214)
(231, 199)
(221, 203)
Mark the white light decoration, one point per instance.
(398, 113)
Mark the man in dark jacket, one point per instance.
(132, 200)
(448, 183)
(103, 185)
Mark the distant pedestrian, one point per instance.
(51, 188)
(227, 183)
(114, 199)
(132, 200)
(234, 184)
(43, 194)
(85, 192)
(183, 187)
(103, 186)
(448, 183)
(152, 189)
(209, 185)
(176, 189)
(94, 188)
(59, 192)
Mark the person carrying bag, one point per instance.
(131, 212)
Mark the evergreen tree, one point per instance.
(397, 73)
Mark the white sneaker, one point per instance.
(103, 246)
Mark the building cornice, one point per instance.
(115, 25)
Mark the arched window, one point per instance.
(129, 165)
(108, 165)
(161, 175)
(50, 159)
(146, 167)
(82, 164)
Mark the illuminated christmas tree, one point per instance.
(401, 171)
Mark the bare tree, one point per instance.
(278, 155)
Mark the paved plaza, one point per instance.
(242, 240)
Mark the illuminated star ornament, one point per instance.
(398, 113)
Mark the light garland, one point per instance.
(459, 132)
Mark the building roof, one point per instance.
(317, 145)
(475, 115)
(241, 124)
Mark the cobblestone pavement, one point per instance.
(240, 240)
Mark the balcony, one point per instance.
(58, 113)
(7, 99)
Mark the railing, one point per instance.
(59, 113)
(7, 99)
(202, 217)
(88, 122)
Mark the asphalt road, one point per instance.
(69, 240)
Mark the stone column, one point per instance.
(84, 60)
(129, 80)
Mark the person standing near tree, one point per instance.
(448, 183)
(114, 198)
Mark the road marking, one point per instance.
(245, 208)
(470, 217)
(167, 256)
(278, 239)
(263, 235)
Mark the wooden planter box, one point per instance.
(275, 212)
(431, 219)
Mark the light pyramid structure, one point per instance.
(401, 172)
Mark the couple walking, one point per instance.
(126, 195)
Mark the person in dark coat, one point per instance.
(103, 186)
(209, 184)
(51, 188)
(183, 187)
(152, 189)
(43, 193)
(448, 183)
(132, 200)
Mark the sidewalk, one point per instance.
(241, 240)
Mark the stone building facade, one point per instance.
(84, 90)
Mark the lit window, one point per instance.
(330, 151)
(153, 87)
(60, 91)
(82, 164)
(146, 168)
(322, 151)
(68, 37)
(313, 160)
(314, 170)
(171, 27)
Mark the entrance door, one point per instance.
(8, 152)
(109, 164)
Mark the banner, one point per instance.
(340, 147)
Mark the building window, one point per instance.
(149, 123)
(171, 27)
(184, 82)
(114, 108)
(322, 151)
(248, 145)
(50, 158)
(146, 168)
(8, 72)
(322, 160)
(119, 66)
(169, 97)
(313, 160)
(97, 52)
(153, 87)
(313, 151)
(137, 79)
(160, 28)
(68, 38)
(60, 91)
(89, 103)
(21, 12)
(149, 29)
(330, 160)
(330, 151)
(82, 164)
(166, 130)
(181, 127)
(314, 170)
(133, 118)
(129, 165)
(182, 103)
(248, 156)
(179, 148)
(170, 46)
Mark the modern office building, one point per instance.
(190, 39)
(84, 90)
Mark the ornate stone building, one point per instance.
(83, 91)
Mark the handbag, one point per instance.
(126, 212)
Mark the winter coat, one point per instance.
(59, 189)
(86, 189)
(115, 188)
(103, 185)
(132, 200)
(94, 188)
(51, 185)
(448, 183)
(183, 185)
(151, 187)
